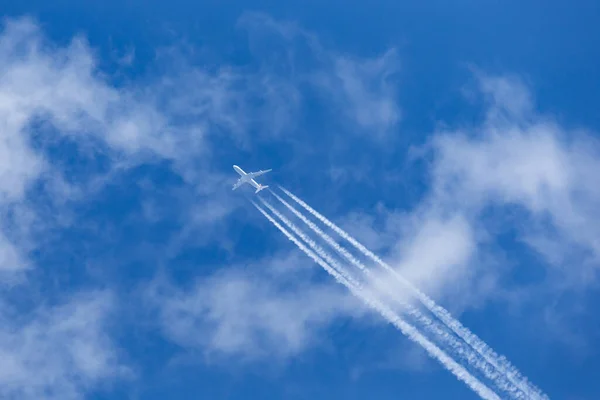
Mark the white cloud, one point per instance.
(58, 352)
(268, 309)
(11, 259)
(437, 248)
(515, 162)
(361, 90)
(170, 116)
(526, 161)
(48, 95)
(364, 92)
(52, 94)
(439, 252)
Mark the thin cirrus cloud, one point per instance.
(521, 158)
(362, 90)
(517, 171)
(59, 352)
(258, 312)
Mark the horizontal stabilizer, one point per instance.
(261, 188)
(237, 184)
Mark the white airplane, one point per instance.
(249, 178)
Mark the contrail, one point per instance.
(411, 332)
(461, 349)
(499, 362)
(316, 248)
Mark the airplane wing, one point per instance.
(238, 184)
(253, 175)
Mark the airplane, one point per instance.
(249, 178)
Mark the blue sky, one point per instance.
(457, 141)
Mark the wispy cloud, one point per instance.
(516, 172)
(360, 90)
(269, 308)
(58, 352)
(454, 244)
(67, 130)
(365, 92)
(527, 160)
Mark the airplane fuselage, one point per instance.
(247, 178)
(239, 170)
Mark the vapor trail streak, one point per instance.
(316, 248)
(411, 332)
(461, 349)
(499, 362)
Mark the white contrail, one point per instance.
(316, 248)
(411, 332)
(499, 362)
(462, 349)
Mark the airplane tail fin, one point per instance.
(261, 188)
